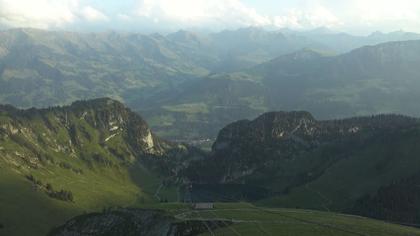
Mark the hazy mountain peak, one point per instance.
(376, 33)
(184, 36)
(322, 30)
(306, 54)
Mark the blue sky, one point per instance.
(356, 16)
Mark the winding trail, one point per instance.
(156, 195)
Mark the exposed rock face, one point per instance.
(112, 115)
(69, 130)
(267, 128)
(148, 140)
(127, 222)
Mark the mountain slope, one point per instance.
(397, 202)
(369, 80)
(83, 157)
(293, 160)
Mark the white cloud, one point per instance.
(384, 15)
(46, 13)
(36, 13)
(91, 14)
(384, 10)
(231, 13)
(196, 12)
(387, 15)
(355, 15)
(315, 17)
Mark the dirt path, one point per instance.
(156, 195)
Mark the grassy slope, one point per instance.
(24, 211)
(251, 220)
(27, 211)
(363, 172)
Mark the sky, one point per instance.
(354, 16)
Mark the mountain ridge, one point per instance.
(293, 160)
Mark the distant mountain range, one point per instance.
(369, 80)
(188, 79)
